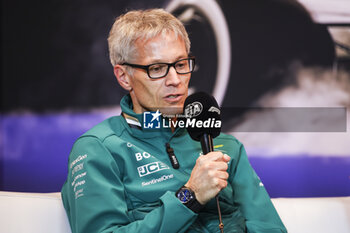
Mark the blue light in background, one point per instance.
(35, 150)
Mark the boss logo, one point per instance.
(140, 156)
(151, 168)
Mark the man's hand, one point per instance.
(209, 176)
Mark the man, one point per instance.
(120, 177)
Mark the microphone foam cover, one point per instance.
(204, 113)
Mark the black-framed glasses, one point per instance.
(160, 70)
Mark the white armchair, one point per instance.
(32, 213)
(44, 212)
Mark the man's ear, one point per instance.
(123, 77)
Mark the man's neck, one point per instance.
(174, 119)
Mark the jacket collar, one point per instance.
(135, 122)
(130, 116)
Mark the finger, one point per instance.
(222, 184)
(222, 175)
(224, 158)
(216, 155)
(213, 156)
(220, 165)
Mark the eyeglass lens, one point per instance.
(184, 66)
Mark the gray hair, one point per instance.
(141, 24)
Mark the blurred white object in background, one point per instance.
(44, 212)
(328, 11)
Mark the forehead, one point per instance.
(165, 47)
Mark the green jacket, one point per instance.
(120, 179)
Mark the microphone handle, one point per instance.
(208, 146)
(207, 143)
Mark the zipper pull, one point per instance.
(172, 157)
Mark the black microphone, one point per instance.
(203, 112)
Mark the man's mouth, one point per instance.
(173, 97)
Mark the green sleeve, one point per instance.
(251, 196)
(94, 196)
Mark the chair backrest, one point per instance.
(44, 212)
(32, 213)
(321, 215)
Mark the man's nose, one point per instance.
(172, 77)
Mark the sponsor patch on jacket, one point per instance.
(151, 168)
(158, 180)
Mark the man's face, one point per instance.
(167, 93)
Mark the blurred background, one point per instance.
(280, 69)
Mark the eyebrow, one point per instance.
(162, 61)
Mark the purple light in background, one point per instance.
(304, 176)
(36, 148)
